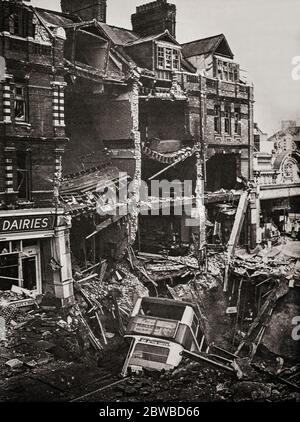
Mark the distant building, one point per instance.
(277, 173)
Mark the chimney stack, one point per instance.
(154, 18)
(87, 10)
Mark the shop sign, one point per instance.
(26, 223)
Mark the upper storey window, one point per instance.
(168, 58)
(16, 26)
(17, 19)
(227, 71)
(20, 104)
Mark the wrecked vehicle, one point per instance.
(160, 330)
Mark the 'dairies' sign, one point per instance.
(26, 223)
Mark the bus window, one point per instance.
(166, 311)
(150, 352)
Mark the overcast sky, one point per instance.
(263, 34)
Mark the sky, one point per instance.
(264, 36)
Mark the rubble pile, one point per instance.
(39, 334)
(36, 339)
(193, 381)
(265, 262)
(39, 331)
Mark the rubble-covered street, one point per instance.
(53, 354)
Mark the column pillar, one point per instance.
(7, 101)
(254, 219)
(201, 211)
(62, 277)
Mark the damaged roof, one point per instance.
(54, 19)
(166, 33)
(205, 46)
(119, 36)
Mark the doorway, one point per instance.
(29, 269)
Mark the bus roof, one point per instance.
(170, 302)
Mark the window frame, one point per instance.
(21, 98)
(217, 118)
(227, 119)
(237, 120)
(24, 175)
(226, 70)
(167, 57)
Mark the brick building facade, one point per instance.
(33, 231)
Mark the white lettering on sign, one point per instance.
(2, 69)
(21, 224)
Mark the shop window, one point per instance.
(24, 176)
(20, 104)
(9, 265)
(237, 120)
(17, 268)
(228, 120)
(217, 118)
(168, 58)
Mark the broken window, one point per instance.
(9, 265)
(24, 174)
(150, 352)
(228, 119)
(20, 105)
(168, 58)
(237, 120)
(217, 118)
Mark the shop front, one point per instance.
(35, 252)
